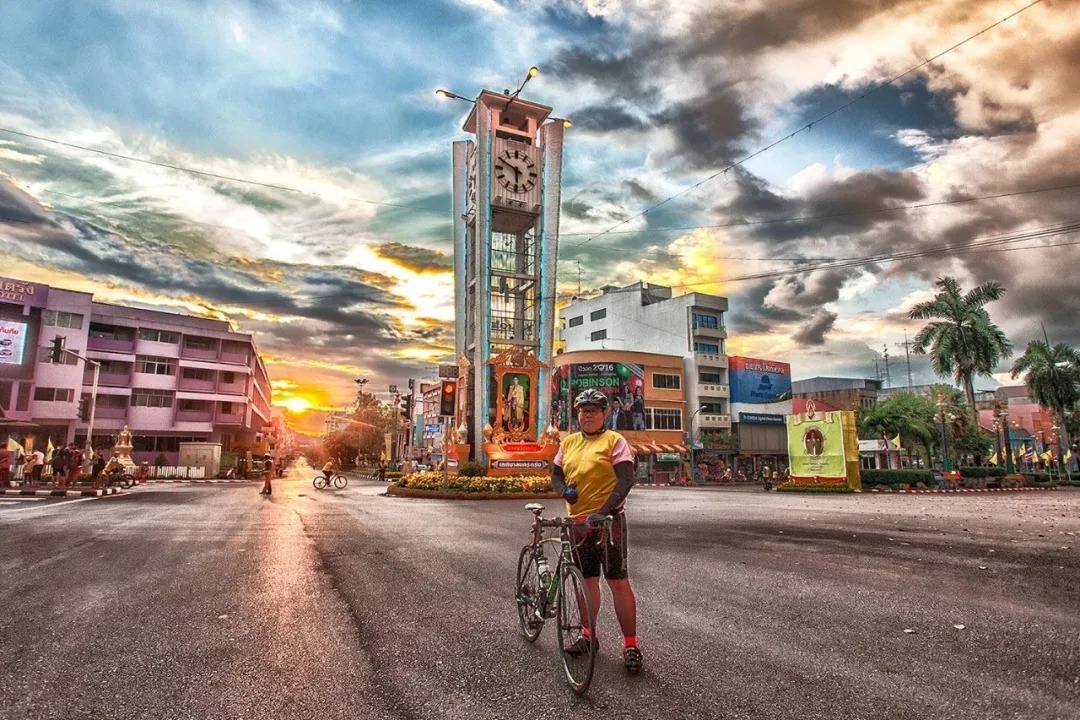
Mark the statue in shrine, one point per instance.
(123, 446)
(515, 404)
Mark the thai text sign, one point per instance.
(758, 381)
(12, 342)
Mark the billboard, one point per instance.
(823, 448)
(622, 383)
(758, 382)
(12, 341)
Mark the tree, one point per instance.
(905, 414)
(1052, 379)
(359, 439)
(961, 340)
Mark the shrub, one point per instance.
(982, 472)
(896, 477)
(433, 480)
(789, 487)
(471, 468)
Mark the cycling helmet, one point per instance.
(591, 397)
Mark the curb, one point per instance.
(60, 492)
(215, 481)
(438, 495)
(957, 491)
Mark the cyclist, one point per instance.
(594, 471)
(113, 469)
(328, 471)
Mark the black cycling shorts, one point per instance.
(595, 554)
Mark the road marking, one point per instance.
(53, 506)
(21, 499)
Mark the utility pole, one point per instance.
(578, 277)
(907, 354)
(888, 378)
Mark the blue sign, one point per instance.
(432, 428)
(759, 381)
(760, 419)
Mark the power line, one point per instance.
(811, 124)
(203, 173)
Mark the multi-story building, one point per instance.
(169, 378)
(843, 393)
(646, 318)
(760, 403)
(433, 426)
(647, 394)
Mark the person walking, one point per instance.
(96, 467)
(382, 470)
(58, 463)
(36, 461)
(268, 473)
(74, 464)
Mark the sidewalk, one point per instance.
(60, 492)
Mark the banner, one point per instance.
(823, 448)
(12, 342)
(758, 381)
(622, 383)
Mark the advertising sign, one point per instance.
(432, 427)
(758, 381)
(18, 292)
(622, 383)
(520, 464)
(12, 342)
(760, 419)
(823, 448)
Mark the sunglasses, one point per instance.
(590, 410)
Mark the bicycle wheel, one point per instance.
(127, 480)
(319, 482)
(575, 611)
(527, 596)
(340, 481)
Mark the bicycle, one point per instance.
(338, 480)
(118, 477)
(543, 594)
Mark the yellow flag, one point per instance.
(49, 450)
(14, 446)
(994, 459)
(896, 441)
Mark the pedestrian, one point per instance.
(96, 468)
(36, 461)
(74, 464)
(5, 466)
(268, 472)
(58, 463)
(382, 470)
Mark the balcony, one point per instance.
(108, 379)
(714, 421)
(110, 344)
(184, 383)
(197, 352)
(709, 360)
(709, 390)
(110, 413)
(700, 332)
(234, 388)
(195, 416)
(229, 418)
(240, 358)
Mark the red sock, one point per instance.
(630, 641)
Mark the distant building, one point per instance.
(760, 404)
(646, 318)
(842, 393)
(169, 378)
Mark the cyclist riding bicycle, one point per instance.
(594, 471)
(328, 471)
(114, 468)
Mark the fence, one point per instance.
(164, 472)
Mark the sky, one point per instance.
(346, 273)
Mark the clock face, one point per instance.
(516, 171)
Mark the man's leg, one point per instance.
(622, 594)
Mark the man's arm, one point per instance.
(624, 480)
(558, 479)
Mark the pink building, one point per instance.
(170, 378)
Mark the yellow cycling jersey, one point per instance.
(589, 465)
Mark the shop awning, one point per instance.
(650, 448)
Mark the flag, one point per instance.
(896, 441)
(49, 450)
(15, 447)
(994, 459)
(1046, 456)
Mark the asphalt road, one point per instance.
(214, 602)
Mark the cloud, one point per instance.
(813, 332)
(418, 259)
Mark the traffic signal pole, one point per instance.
(58, 350)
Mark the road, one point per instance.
(196, 601)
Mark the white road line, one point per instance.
(50, 508)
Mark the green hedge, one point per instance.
(896, 477)
(982, 472)
(815, 488)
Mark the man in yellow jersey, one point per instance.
(594, 471)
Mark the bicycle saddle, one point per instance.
(534, 507)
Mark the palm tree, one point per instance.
(1053, 378)
(961, 340)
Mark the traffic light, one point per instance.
(447, 398)
(406, 407)
(84, 408)
(56, 352)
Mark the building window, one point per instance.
(101, 331)
(59, 318)
(189, 405)
(161, 336)
(196, 374)
(226, 408)
(45, 356)
(115, 367)
(666, 382)
(152, 365)
(47, 394)
(710, 378)
(598, 335)
(713, 407)
(198, 343)
(112, 401)
(152, 398)
(162, 443)
(710, 348)
(705, 321)
(663, 419)
(575, 321)
(598, 314)
(228, 378)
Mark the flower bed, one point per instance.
(512, 484)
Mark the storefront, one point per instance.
(660, 463)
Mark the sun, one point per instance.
(297, 404)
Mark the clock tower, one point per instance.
(507, 184)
